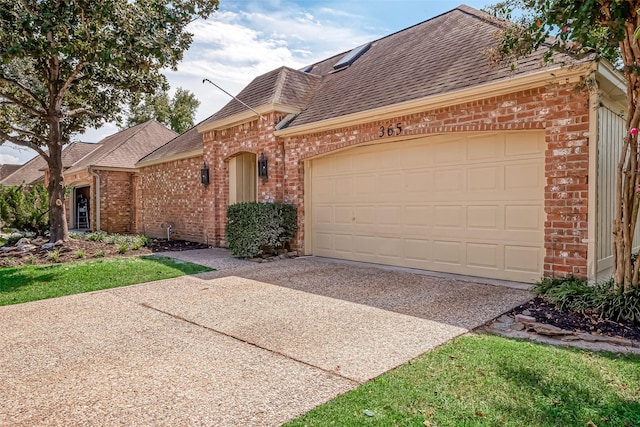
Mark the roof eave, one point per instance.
(496, 88)
(246, 116)
(178, 156)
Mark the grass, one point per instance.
(31, 283)
(483, 380)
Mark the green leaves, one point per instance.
(25, 208)
(178, 113)
(255, 227)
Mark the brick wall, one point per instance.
(171, 193)
(116, 201)
(560, 110)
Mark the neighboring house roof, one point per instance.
(122, 150)
(8, 169)
(29, 173)
(189, 141)
(33, 171)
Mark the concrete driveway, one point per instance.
(250, 344)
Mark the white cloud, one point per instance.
(8, 159)
(234, 46)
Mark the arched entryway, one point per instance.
(242, 178)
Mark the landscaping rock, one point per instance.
(549, 330)
(5, 249)
(517, 326)
(23, 241)
(527, 320)
(48, 246)
(27, 248)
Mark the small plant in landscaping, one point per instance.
(96, 236)
(31, 259)
(572, 294)
(123, 248)
(7, 262)
(100, 254)
(80, 253)
(53, 256)
(136, 246)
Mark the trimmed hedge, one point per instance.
(255, 228)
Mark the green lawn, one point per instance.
(482, 380)
(31, 283)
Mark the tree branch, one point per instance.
(24, 90)
(67, 84)
(80, 111)
(24, 143)
(22, 104)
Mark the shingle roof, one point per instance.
(75, 151)
(125, 148)
(444, 54)
(33, 171)
(191, 140)
(8, 169)
(280, 86)
(29, 173)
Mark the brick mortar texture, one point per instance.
(172, 193)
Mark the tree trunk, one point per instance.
(57, 215)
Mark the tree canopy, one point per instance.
(177, 113)
(68, 65)
(610, 29)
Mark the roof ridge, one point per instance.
(280, 83)
(116, 146)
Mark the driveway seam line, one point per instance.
(177, 317)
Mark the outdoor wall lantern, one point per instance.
(263, 167)
(204, 174)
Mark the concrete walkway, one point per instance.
(249, 344)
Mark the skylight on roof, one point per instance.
(351, 57)
(306, 69)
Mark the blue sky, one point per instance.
(245, 39)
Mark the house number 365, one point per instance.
(390, 130)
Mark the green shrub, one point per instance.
(602, 298)
(100, 254)
(123, 248)
(25, 208)
(255, 228)
(80, 253)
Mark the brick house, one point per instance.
(104, 181)
(413, 150)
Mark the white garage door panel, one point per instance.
(469, 205)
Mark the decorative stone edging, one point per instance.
(526, 327)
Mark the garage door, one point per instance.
(469, 204)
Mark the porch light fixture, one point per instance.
(204, 174)
(263, 167)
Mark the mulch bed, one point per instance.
(68, 252)
(546, 312)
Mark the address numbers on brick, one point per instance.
(390, 130)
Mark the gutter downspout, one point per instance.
(97, 196)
